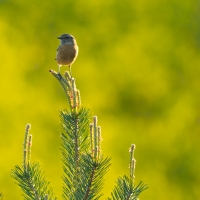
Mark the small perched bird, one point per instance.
(67, 51)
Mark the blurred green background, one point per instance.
(138, 68)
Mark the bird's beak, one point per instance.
(58, 37)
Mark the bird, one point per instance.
(67, 51)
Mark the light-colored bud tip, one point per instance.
(28, 127)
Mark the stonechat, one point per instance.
(67, 51)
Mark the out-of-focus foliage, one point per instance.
(138, 68)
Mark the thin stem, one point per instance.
(92, 140)
(28, 126)
(90, 182)
(95, 137)
(69, 86)
(78, 98)
(67, 76)
(99, 141)
(29, 149)
(74, 94)
(27, 152)
(65, 84)
(76, 149)
(132, 161)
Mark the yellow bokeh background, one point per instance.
(138, 68)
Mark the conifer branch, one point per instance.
(75, 143)
(125, 188)
(30, 176)
(94, 165)
(83, 169)
(84, 165)
(69, 86)
(88, 189)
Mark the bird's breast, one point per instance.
(66, 54)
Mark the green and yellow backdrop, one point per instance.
(138, 68)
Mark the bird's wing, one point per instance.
(57, 50)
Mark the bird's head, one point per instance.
(66, 38)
